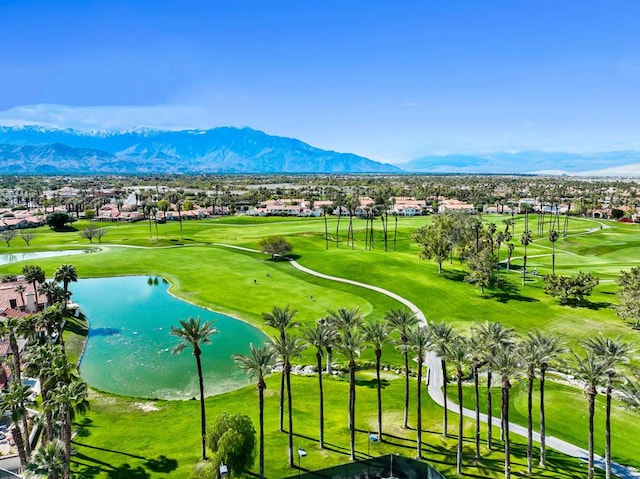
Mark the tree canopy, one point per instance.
(232, 438)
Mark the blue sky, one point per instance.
(388, 80)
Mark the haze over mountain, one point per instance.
(606, 163)
(33, 149)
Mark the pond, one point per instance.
(129, 346)
(15, 257)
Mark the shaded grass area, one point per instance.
(120, 440)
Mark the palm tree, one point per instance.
(281, 319)
(418, 342)
(377, 333)
(612, 352)
(66, 274)
(476, 358)
(526, 239)
(457, 352)
(33, 274)
(351, 343)
(591, 370)
(20, 289)
(528, 352)
(194, 334)
(258, 364)
(506, 363)
(319, 336)
(548, 348)
(15, 401)
(441, 334)
(553, 237)
(49, 460)
(287, 348)
(53, 292)
(402, 320)
(494, 336)
(69, 399)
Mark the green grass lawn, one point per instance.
(160, 443)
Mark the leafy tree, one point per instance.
(275, 246)
(435, 242)
(258, 364)
(89, 214)
(89, 232)
(567, 288)
(482, 269)
(58, 219)
(100, 233)
(402, 321)
(27, 236)
(628, 307)
(187, 205)
(232, 438)
(193, 334)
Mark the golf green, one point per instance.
(129, 347)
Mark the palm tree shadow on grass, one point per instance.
(372, 383)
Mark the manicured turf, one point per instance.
(222, 279)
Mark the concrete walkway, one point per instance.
(435, 380)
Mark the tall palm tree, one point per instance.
(526, 239)
(549, 348)
(15, 401)
(457, 353)
(402, 320)
(257, 365)
(507, 364)
(441, 334)
(53, 292)
(319, 336)
(69, 399)
(193, 334)
(419, 342)
(377, 333)
(20, 289)
(49, 460)
(528, 352)
(281, 319)
(66, 274)
(288, 347)
(591, 370)
(350, 344)
(612, 352)
(476, 358)
(553, 237)
(494, 336)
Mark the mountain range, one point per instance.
(40, 150)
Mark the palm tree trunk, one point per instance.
(282, 381)
(543, 439)
(203, 421)
(505, 418)
(329, 359)
(529, 422)
(289, 411)
(524, 266)
(338, 228)
(321, 392)
(477, 406)
(405, 420)
(553, 257)
(460, 424)
(592, 402)
(419, 411)
(66, 436)
(261, 387)
(607, 435)
(378, 355)
(443, 364)
(352, 408)
(19, 440)
(326, 231)
(489, 412)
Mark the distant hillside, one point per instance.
(33, 149)
(607, 163)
